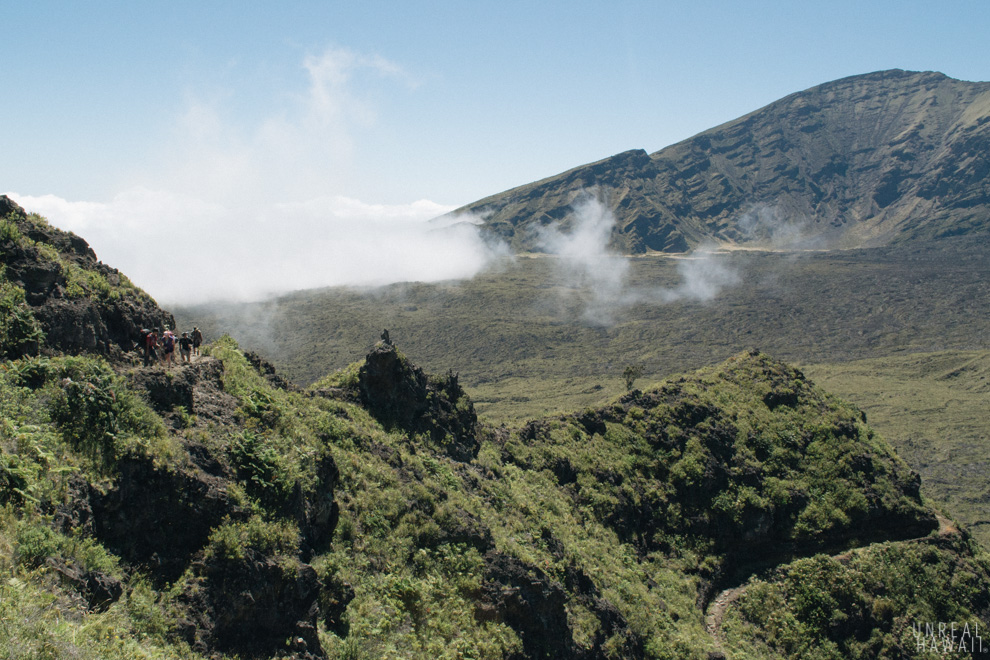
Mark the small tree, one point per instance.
(630, 374)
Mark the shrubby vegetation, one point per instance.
(597, 534)
(868, 604)
(31, 234)
(20, 332)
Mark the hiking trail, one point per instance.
(716, 609)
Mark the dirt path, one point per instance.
(715, 612)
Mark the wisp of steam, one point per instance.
(770, 226)
(585, 262)
(599, 277)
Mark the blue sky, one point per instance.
(137, 124)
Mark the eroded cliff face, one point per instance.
(242, 581)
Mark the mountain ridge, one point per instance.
(867, 160)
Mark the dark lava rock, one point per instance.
(108, 325)
(400, 395)
(166, 389)
(525, 598)
(158, 518)
(256, 607)
(267, 371)
(99, 590)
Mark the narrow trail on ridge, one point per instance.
(716, 609)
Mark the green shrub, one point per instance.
(86, 407)
(263, 408)
(232, 540)
(347, 378)
(262, 468)
(9, 230)
(18, 479)
(36, 542)
(31, 372)
(20, 332)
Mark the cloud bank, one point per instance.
(186, 250)
(239, 209)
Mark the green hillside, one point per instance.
(603, 534)
(212, 510)
(933, 408)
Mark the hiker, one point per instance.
(144, 346)
(150, 344)
(185, 347)
(168, 346)
(197, 340)
(385, 338)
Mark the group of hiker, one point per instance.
(159, 347)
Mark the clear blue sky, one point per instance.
(212, 107)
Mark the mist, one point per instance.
(586, 266)
(772, 227)
(183, 250)
(594, 276)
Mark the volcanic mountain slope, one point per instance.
(868, 160)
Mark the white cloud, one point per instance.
(597, 278)
(182, 249)
(279, 143)
(241, 210)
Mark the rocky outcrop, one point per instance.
(535, 606)
(268, 372)
(76, 317)
(253, 606)
(97, 589)
(525, 598)
(159, 518)
(316, 511)
(400, 395)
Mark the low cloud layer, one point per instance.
(235, 209)
(185, 250)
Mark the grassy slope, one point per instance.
(933, 409)
(660, 482)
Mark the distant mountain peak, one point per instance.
(873, 159)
